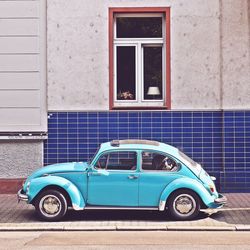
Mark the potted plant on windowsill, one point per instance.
(125, 95)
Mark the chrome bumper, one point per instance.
(21, 196)
(221, 199)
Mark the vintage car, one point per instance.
(124, 174)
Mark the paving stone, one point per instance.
(21, 216)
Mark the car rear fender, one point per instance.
(38, 184)
(186, 183)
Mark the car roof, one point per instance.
(134, 144)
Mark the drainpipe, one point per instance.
(221, 88)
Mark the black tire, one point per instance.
(51, 205)
(184, 205)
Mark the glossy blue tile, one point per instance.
(61, 115)
(207, 136)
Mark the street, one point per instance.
(125, 240)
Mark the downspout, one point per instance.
(221, 90)
(248, 14)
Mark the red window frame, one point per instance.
(112, 12)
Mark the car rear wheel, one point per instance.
(51, 205)
(184, 205)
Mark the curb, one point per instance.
(47, 227)
(242, 227)
(201, 228)
(142, 228)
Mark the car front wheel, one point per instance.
(51, 205)
(184, 205)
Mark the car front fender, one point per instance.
(38, 184)
(186, 183)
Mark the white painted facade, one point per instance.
(23, 104)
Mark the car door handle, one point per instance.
(132, 177)
(94, 174)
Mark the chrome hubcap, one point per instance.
(184, 204)
(50, 205)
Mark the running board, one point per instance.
(119, 208)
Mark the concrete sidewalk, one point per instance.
(235, 216)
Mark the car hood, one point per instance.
(59, 168)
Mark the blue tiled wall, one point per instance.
(218, 140)
(236, 150)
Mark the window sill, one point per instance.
(141, 108)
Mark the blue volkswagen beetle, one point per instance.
(124, 174)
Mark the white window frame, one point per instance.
(140, 43)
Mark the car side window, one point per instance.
(158, 162)
(120, 160)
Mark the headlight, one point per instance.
(27, 187)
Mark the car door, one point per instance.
(157, 171)
(113, 180)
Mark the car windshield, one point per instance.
(187, 160)
(92, 158)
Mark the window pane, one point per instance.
(152, 73)
(118, 161)
(158, 162)
(138, 27)
(102, 162)
(125, 73)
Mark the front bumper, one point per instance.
(21, 196)
(221, 200)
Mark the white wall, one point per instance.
(209, 53)
(195, 48)
(236, 54)
(23, 66)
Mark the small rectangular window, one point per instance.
(138, 27)
(140, 70)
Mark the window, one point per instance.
(158, 162)
(139, 58)
(122, 160)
